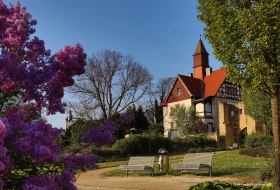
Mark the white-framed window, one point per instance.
(178, 92)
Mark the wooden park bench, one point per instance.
(195, 162)
(143, 164)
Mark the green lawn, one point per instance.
(111, 164)
(234, 164)
(228, 163)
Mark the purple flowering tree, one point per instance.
(30, 155)
(28, 71)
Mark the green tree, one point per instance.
(185, 119)
(130, 109)
(76, 131)
(156, 128)
(141, 121)
(245, 36)
(257, 105)
(158, 112)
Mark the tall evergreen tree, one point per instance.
(158, 112)
(141, 121)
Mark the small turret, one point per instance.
(200, 60)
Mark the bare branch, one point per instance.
(112, 82)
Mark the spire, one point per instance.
(200, 60)
(200, 49)
(70, 116)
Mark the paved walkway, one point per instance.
(93, 180)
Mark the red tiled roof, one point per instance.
(193, 85)
(210, 85)
(213, 82)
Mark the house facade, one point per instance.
(217, 101)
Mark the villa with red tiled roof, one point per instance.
(216, 100)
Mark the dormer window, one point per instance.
(178, 92)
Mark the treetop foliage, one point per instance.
(245, 37)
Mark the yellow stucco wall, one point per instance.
(230, 131)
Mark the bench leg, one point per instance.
(210, 171)
(126, 173)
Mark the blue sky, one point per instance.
(161, 34)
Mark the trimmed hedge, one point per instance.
(218, 185)
(259, 140)
(106, 153)
(139, 144)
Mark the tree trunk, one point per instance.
(276, 136)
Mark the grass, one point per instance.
(111, 164)
(234, 164)
(228, 163)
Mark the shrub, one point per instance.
(106, 153)
(257, 152)
(201, 142)
(139, 144)
(156, 128)
(209, 149)
(259, 140)
(217, 185)
(268, 173)
(192, 150)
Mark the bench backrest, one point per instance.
(198, 158)
(235, 145)
(142, 160)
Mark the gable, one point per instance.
(195, 86)
(178, 92)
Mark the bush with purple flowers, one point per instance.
(30, 155)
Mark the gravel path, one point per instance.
(93, 180)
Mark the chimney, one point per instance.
(208, 71)
(190, 74)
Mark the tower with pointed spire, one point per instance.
(200, 61)
(69, 119)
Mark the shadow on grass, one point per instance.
(237, 171)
